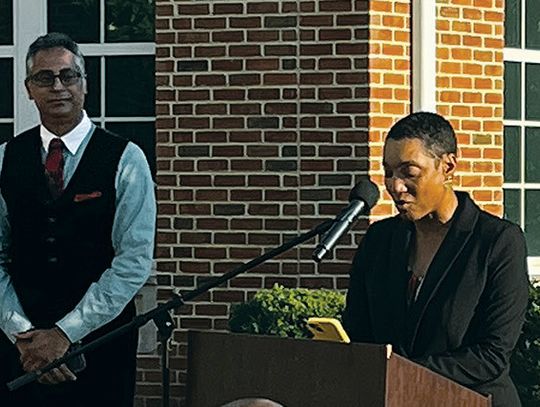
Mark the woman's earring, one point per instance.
(449, 181)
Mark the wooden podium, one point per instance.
(305, 373)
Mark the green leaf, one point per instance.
(525, 362)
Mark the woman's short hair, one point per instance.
(434, 130)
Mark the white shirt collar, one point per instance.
(73, 139)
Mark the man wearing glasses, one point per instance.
(77, 219)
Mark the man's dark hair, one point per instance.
(54, 40)
(434, 130)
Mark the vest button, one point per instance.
(52, 260)
(51, 220)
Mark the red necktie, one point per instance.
(54, 167)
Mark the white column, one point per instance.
(30, 21)
(424, 46)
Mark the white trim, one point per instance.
(521, 55)
(102, 90)
(522, 123)
(29, 22)
(424, 46)
(102, 120)
(102, 21)
(138, 119)
(523, 18)
(521, 185)
(7, 51)
(118, 49)
(534, 266)
(522, 154)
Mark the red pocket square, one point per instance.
(86, 197)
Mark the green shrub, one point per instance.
(284, 311)
(526, 359)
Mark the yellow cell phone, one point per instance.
(327, 329)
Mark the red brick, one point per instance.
(262, 36)
(316, 21)
(449, 12)
(335, 5)
(211, 23)
(333, 35)
(228, 8)
(393, 21)
(262, 7)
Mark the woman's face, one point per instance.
(415, 178)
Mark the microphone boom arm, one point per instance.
(177, 301)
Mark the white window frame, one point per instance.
(523, 56)
(7, 52)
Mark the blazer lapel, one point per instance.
(457, 237)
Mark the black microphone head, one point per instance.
(365, 191)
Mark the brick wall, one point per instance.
(390, 83)
(470, 41)
(261, 133)
(268, 112)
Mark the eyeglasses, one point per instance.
(44, 79)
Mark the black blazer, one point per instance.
(471, 306)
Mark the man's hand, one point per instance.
(40, 347)
(58, 375)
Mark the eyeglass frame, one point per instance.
(78, 76)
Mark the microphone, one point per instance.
(362, 198)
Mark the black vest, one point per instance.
(59, 247)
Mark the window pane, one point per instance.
(512, 90)
(532, 221)
(532, 152)
(129, 21)
(79, 19)
(532, 91)
(532, 24)
(6, 95)
(512, 24)
(512, 154)
(512, 206)
(6, 132)
(6, 22)
(142, 134)
(130, 86)
(93, 80)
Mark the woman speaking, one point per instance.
(443, 281)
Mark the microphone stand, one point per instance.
(162, 318)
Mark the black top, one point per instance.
(471, 306)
